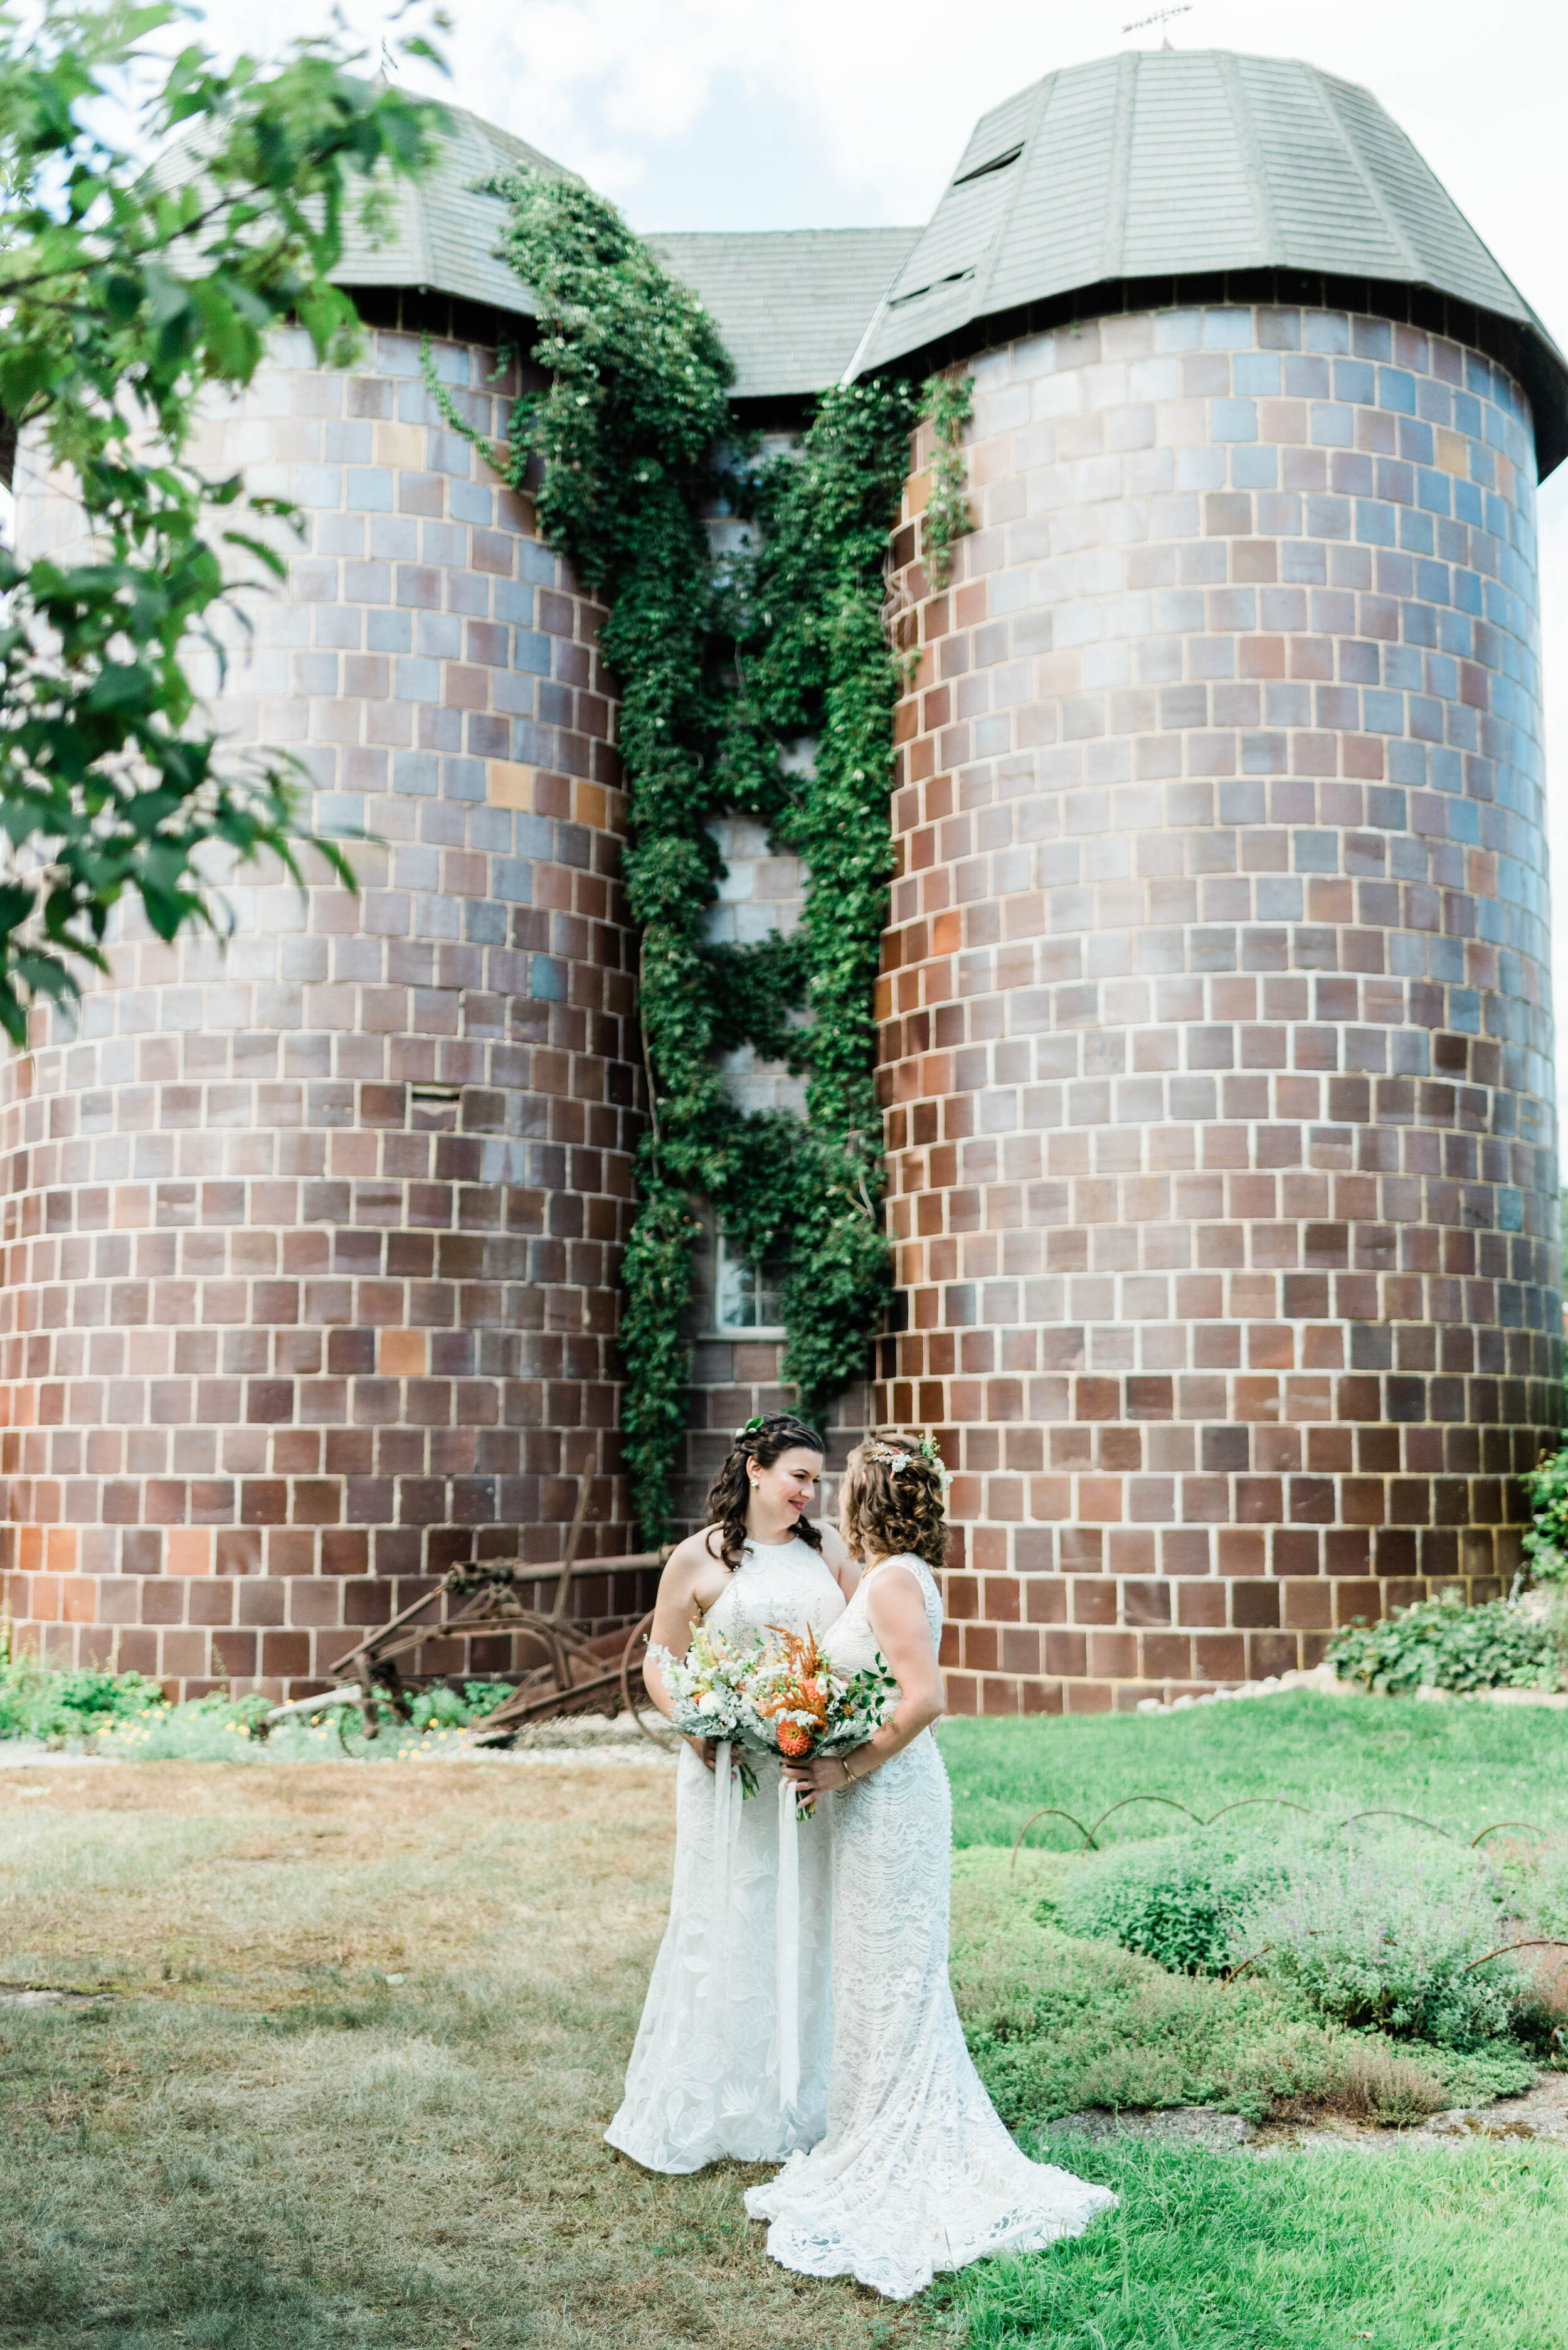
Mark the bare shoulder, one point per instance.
(695, 1565)
(897, 1589)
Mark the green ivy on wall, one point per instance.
(721, 666)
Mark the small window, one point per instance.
(748, 1300)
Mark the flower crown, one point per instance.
(898, 1459)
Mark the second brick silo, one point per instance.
(1217, 1024)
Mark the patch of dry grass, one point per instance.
(251, 2140)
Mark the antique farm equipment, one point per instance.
(560, 1668)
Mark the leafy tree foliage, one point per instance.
(121, 296)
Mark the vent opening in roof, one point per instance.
(997, 163)
(953, 277)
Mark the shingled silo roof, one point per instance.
(442, 235)
(791, 304)
(1163, 163)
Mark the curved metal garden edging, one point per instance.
(1284, 1803)
(1535, 1942)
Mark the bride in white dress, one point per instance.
(916, 2172)
(704, 2078)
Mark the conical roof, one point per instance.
(1163, 163)
(442, 234)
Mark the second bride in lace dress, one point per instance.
(704, 2079)
(916, 2172)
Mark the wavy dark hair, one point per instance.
(767, 1441)
(884, 1515)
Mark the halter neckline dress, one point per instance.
(704, 2081)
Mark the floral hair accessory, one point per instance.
(876, 1451)
(754, 1421)
(928, 1452)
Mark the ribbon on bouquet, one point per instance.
(726, 1828)
(727, 1800)
(788, 1913)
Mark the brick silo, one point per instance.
(1218, 1020)
(310, 1242)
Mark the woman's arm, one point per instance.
(895, 1611)
(691, 1581)
(839, 1559)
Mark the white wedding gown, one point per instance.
(704, 2080)
(916, 2173)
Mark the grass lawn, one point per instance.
(1461, 1765)
(354, 2034)
(1431, 2248)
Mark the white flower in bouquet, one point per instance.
(708, 1693)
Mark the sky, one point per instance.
(827, 113)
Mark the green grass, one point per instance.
(355, 2034)
(1462, 1766)
(1430, 2249)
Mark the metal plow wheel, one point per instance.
(564, 1671)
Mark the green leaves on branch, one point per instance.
(725, 668)
(1546, 1544)
(124, 297)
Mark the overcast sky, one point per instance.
(823, 113)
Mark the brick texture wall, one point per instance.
(310, 1242)
(1218, 1025)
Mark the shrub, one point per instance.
(1390, 2090)
(1055, 2023)
(1547, 1893)
(1546, 1544)
(1370, 1942)
(38, 1703)
(131, 1717)
(1178, 1899)
(1442, 1644)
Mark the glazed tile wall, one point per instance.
(1217, 1024)
(310, 1244)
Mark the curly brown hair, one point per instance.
(764, 1442)
(884, 1514)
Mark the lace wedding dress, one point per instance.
(916, 2173)
(704, 2080)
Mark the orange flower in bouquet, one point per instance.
(809, 1707)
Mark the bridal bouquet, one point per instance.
(710, 1690)
(804, 1708)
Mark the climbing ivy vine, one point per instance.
(949, 407)
(723, 667)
